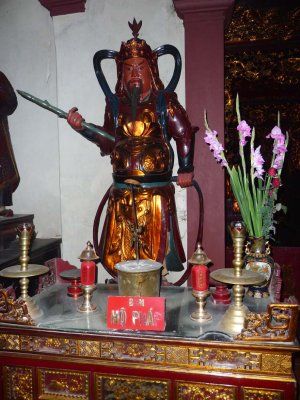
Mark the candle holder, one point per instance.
(233, 320)
(199, 257)
(87, 306)
(88, 266)
(24, 271)
(221, 295)
(200, 314)
(73, 275)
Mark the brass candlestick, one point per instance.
(24, 271)
(87, 306)
(200, 314)
(233, 320)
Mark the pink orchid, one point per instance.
(215, 146)
(279, 145)
(278, 161)
(257, 162)
(256, 198)
(244, 131)
(279, 149)
(275, 133)
(210, 136)
(278, 136)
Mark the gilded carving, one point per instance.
(204, 391)
(61, 384)
(263, 23)
(200, 358)
(246, 74)
(277, 363)
(177, 355)
(279, 324)
(18, 383)
(225, 359)
(57, 345)
(132, 351)
(285, 71)
(89, 348)
(13, 310)
(262, 394)
(10, 342)
(262, 64)
(124, 388)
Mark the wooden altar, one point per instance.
(71, 355)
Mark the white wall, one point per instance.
(63, 176)
(27, 57)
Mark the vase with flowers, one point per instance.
(255, 189)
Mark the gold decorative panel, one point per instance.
(63, 385)
(18, 383)
(237, 360)
(10, 342)
(13, 310)
(262, 65)
(262, 394)
(277, 363)
(133, 388)
(89, 348)
(133, 351)
(200, 358)
(204, 391)
(177, 355)
(262, 23)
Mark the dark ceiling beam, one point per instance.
(63, 7)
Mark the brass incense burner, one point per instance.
(139, 278)
(24, 271)
(234, 318)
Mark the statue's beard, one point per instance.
(134, 93)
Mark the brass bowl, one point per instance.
(139, 278)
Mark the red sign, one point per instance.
(136, 313)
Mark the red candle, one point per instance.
(200, 278)
(87, 272)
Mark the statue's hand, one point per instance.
(75, 119)
(185, 179)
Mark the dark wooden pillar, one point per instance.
(204, 22)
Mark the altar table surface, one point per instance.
(73, 355)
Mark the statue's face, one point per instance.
(136, 73)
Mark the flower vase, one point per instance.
(258, 259)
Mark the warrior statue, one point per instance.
(142, 116)
(9, 175)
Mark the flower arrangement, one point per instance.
(254, 189)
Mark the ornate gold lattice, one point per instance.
(134, 388)
(13, 310)
(61, 384)
(203, 391)
(262, 394)
(18, 383)
(278, 324)
(153, 355)
(262, 65)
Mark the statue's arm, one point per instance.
(75, 120)
(181, 130)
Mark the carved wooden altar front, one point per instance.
(68, 355)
